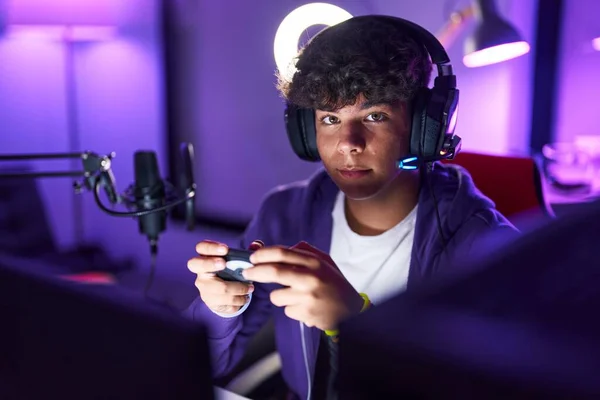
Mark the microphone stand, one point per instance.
(93, 166)
(96, 170)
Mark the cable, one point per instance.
(332, 393)
(427, 172)
(107, 210)
(153, 256)
(164, 304)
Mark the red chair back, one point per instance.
(513, 183)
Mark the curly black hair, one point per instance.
(369, 56)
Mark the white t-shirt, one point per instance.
(375, 265)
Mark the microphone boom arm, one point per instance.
(94, 166)
(96, 173)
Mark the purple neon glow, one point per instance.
(57, 32)
(596, 44)
(496, 54)
(62, 12)
(64, 19)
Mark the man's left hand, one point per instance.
(316, 292)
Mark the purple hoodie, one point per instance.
(302, 211)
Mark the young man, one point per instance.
(359, 231)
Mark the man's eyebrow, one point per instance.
(369, 104)
(363, 106)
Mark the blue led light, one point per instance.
(402, 163)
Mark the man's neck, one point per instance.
(376, 215)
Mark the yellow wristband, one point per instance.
(366, 305)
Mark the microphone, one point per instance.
(187, 186)
(150, 197)
(149, 193)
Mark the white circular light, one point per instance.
(288, 34)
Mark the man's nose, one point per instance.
(352, 139)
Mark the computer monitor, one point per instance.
(523, 324)
(63, 340)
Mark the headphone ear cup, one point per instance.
(309, 134)
(419, 120)
(301, 130)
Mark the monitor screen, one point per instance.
(70, 341)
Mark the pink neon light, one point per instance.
(58, 32)
(496, 54)
(596, 43)
(62, 19)
(63, 12)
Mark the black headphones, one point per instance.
(434, 110)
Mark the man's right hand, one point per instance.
(220, 296)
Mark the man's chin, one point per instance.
(361, 188)
(360, 192)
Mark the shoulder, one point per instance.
(470, 224)
(469, 219)
(460, 203)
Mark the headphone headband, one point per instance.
(436, 50)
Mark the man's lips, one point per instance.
(354, 172)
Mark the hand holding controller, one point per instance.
(236, 261)
(219, 279)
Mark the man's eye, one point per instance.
(376, 117)
(330, 120)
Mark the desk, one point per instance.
(561, 203)
(222, 394)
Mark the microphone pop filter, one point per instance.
(186, 182)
